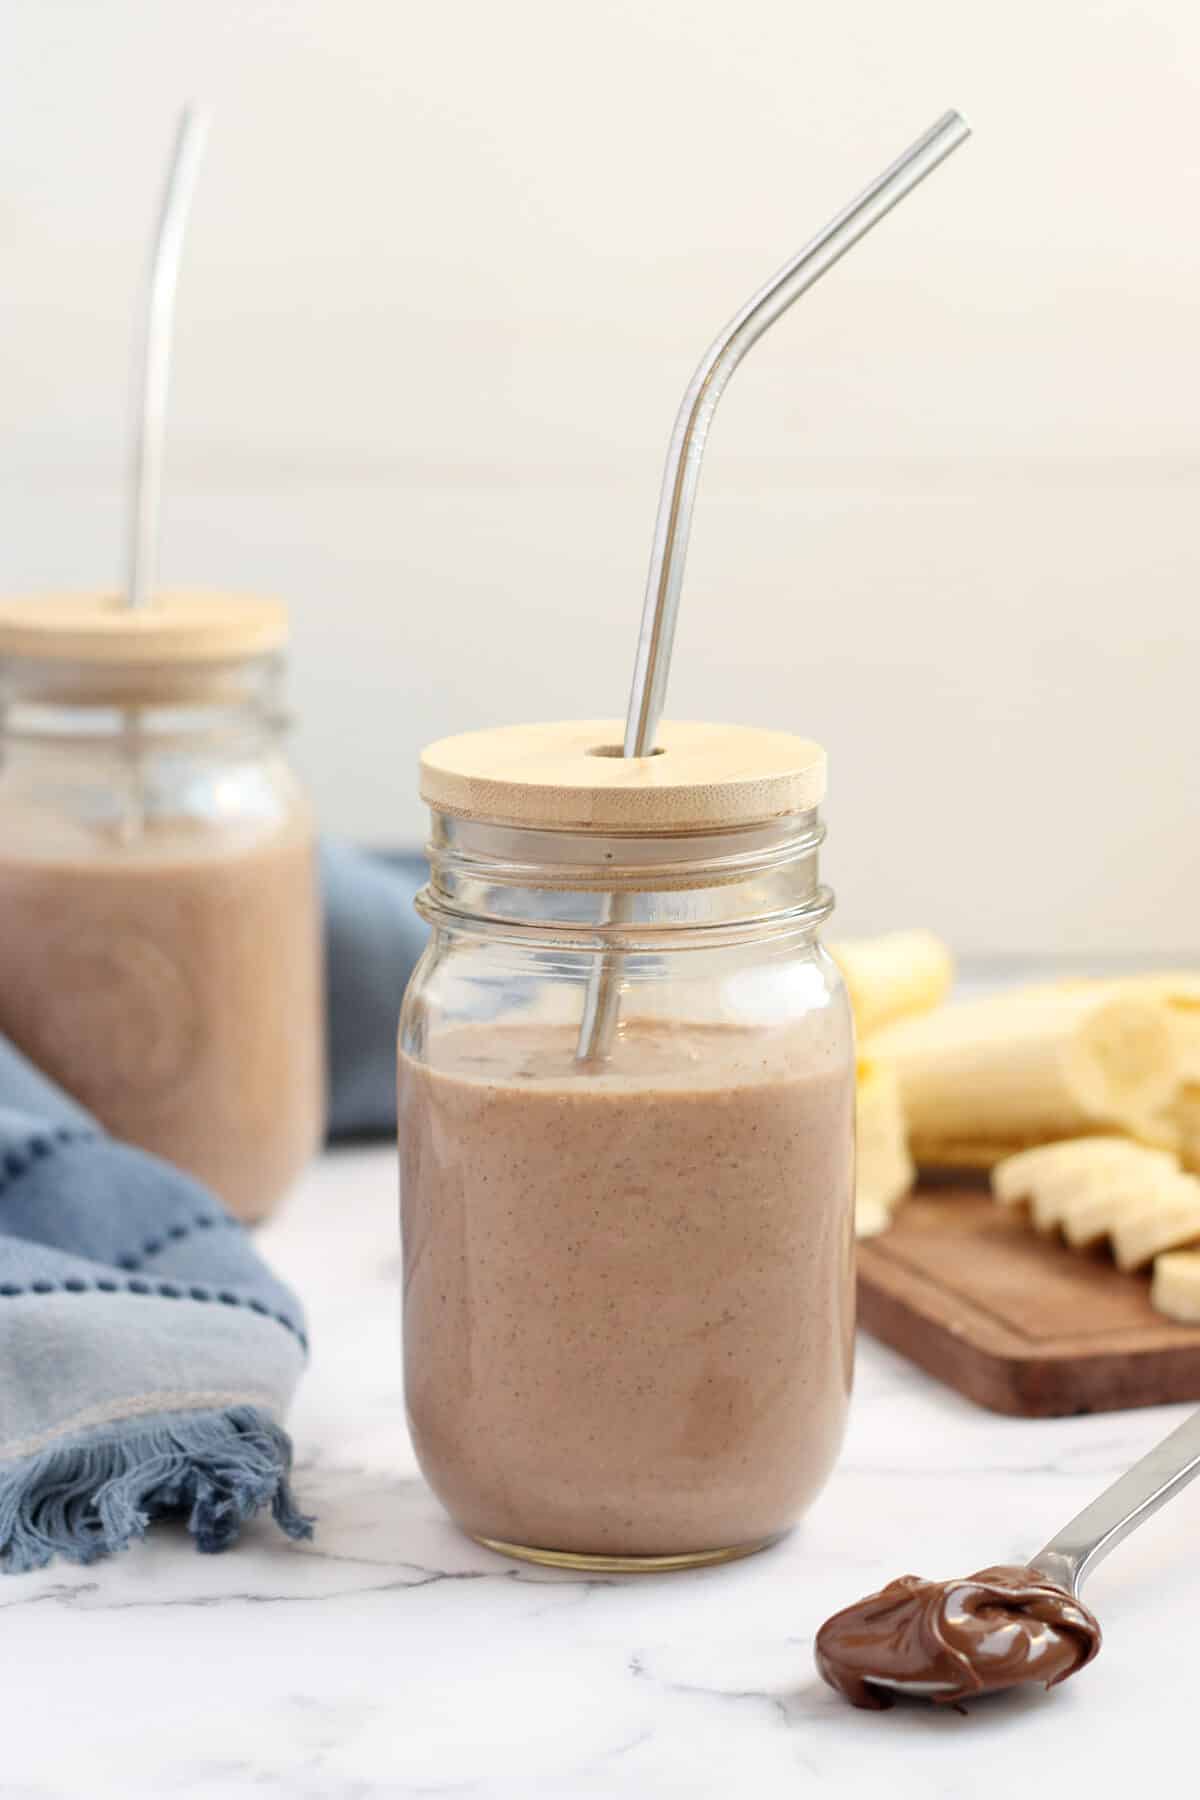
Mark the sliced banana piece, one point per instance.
(892, 976)
(1175, 1289)
(1169, 1220)
(1018, 1178)
(1090, 1214)
(1084, 1186)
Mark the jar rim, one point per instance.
(530, 857)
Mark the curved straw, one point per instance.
(152, 358)
(682, 475)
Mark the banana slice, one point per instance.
(1034, 1066)
(890, 977)
(1084, 1186)
(884, 1170)
(1019, 1177)
(1168, 1221)
(1091, 1198)
(1093, 1212)
(1175, 1289)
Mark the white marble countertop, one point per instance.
(393, 1657)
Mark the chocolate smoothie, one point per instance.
(172, 985)
(628, 1305)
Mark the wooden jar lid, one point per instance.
(177, 629)
(572, 777)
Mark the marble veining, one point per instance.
(392, 1657)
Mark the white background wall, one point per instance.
(450, 268)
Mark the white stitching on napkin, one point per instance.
(166, 1400)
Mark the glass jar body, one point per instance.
(160, 952)
(628, 1300)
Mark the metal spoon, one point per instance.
(1079, 1547)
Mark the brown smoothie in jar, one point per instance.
(172, 985)
(628, 1304)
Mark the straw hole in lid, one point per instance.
(619, 750)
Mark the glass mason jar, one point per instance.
(159, 949)
(626, 1090)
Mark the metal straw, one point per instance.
(682, 474)
(152, 357)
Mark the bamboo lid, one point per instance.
(178, 629)
(571, 776)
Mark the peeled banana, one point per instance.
(991, 1076)
(1179, 991)
(884, 1170)
(1186, 1114)
(1180, 1124)
(892, 976)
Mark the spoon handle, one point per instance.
(1074, 1552)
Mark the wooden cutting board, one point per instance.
(1016, 1321)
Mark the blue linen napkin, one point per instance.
(372, 940)
(147, 1355)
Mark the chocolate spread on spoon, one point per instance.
(948, 1640)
